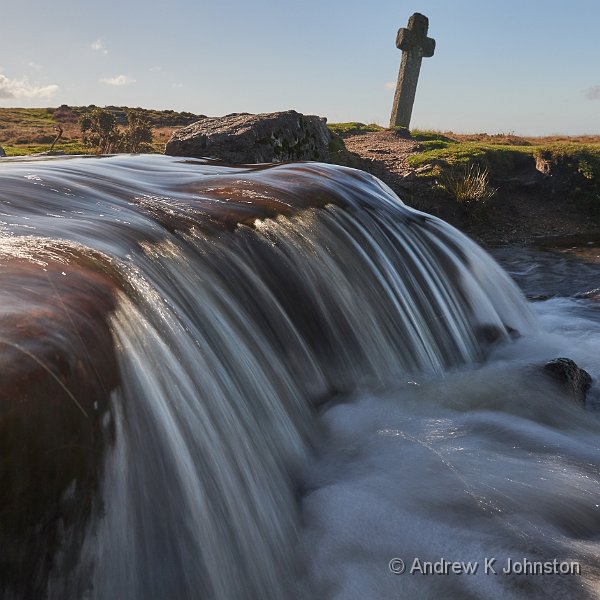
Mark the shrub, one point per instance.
(137, 136)
(99, 131)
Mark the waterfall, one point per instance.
(237, 303)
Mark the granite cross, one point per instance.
(415, 44)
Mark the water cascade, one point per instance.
(266, 382)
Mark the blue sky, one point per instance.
(527, 66)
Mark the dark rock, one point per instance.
(58, 370)
(2, 153)
(589, 294)
(248, 139)
(490, 334)
(566, 373)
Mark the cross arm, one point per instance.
(407, 40)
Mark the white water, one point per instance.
(488, 462)
(213, 426)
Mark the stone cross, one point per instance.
(415, 44)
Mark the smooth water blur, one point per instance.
(543, 273)
(314, 379)
(491, 461)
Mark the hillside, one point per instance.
(29, 130)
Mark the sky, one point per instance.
(529, 67)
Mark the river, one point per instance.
(280, 382)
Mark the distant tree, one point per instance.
(99, 130)
(137, 135)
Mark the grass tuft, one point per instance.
(467, 184)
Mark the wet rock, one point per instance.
(589, 294)
(249, 139)
(490, 334)
(567, 374)
(58, 370)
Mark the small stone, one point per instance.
(566, 372)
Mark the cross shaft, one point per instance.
(415, 45)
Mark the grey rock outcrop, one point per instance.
(2, 153)
(574, 380)
(249, 139)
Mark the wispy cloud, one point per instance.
(21, 88)
(390, 85)
(118, 80)
(155, 69)
(34, 66)
(593, 93)
(98, 46)
(177, 85)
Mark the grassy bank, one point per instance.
(568, 165)
(507, 152)
(497, 188)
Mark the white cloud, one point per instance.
(593, 93)
(390, 85)
(177, 85)
(34, 66)
(118, 80)
(21, 88)
(155, 69)
(98, 46)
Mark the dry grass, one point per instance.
(162, 134)
(467, 184)
(511, 139)
(569, 139)
(28, 130)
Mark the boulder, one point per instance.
(2, 153)
(575, 381)
(248, 139)
(59, 368)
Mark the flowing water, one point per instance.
(287, 379)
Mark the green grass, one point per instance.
(493, 156)
(68, 147)
(352, 128)
(437, 148)
(573, 163)
(430, 136)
